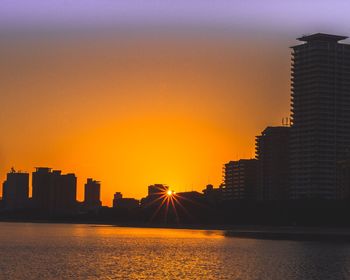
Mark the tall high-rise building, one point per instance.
(65, 192)
(240, 179)
(41, 188)
(15, 190)
(272, 153)
(54, 193)
(92, 193)
(320, 114)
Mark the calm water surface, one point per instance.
(65, 251)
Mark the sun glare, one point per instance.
(169, 193)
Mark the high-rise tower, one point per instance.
(16, 190)
(53, 192)
(272, 153)
(92, 193)
(320, 113)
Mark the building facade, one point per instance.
(53, 192)
(42, 190)
(92, 194)
(213, 195)
(272, 153)
(15, 190)
(124, 203)
(343, 179)
(240, 179)
(65, 192)
(320, 114)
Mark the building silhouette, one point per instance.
(157, 189)
(117, 195)
(92, 193)
(320, 113)
(42, 190)
(272, 153)
(155, 193)
(124, 203)
(240, 179)
(213, 195)
(343, 179)
(65, 187)
(15, 190)
(54, 193)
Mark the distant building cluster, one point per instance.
(266, 177)
(53, 193)
(308, 157)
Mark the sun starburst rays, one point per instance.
(167, 202)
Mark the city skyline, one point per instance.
(307, 157)
(162, 139)
(200, 133)
(173, 103)
(108, 201)
(299, 175)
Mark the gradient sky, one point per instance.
(133, 94)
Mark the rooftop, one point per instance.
(322, 37)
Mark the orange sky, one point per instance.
(133, 111)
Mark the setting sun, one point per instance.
(169, 193)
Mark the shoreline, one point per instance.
(278, 233)
(335, 236)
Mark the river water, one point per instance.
(69, 251)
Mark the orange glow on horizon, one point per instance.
(173, 113)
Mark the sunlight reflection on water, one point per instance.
(62, 251)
